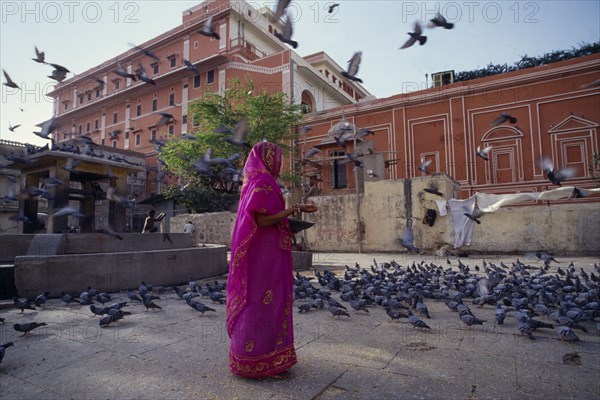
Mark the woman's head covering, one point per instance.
(264, 158)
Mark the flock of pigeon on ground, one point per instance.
(566, 301)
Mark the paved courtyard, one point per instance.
(178, 353)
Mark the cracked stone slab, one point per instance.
(368, 383)
(349, 349)
(451, 366)
(37, 353)
(18, 389)
(558, 380)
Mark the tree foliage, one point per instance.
(269, 116)
(529, 62)
(197, 197)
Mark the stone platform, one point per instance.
(68, 262)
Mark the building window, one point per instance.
(80, 129)
(114, 143)
(210, 76)
(503, 165)
(64, 135)
(154, 69)
(173, 61)
(138, 139)
(153, 134)
(307, 102)
(573, 153)
(196, 44)
(66, 104)
(102, 142)
(89, 96)
(127, 135)
(81, 99)
(117, 84)
(270, 29)
(197, 81)
(97, 93)
(138, 110)
(339, 178)
(172, 99)
(184, 119)
(171, 129)
(154, 105)
(115, 118)
(96, 125)
(87, 127)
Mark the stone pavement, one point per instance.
(178, 353)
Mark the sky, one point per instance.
(83, 34)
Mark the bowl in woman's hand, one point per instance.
(298, 225)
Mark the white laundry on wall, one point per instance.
(488, 202)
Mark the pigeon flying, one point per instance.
(353, 65)
(208, 30)
(439, 20)
(415, 36)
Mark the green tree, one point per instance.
(269, 117)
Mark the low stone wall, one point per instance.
(561, 229)
(215, 228)
(81, 243)
(388, 207)
(85, 243)
(116, 271)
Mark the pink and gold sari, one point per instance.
(260, 281)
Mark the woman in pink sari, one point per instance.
(260, 281)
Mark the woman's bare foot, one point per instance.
(282, 376)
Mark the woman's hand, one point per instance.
(308, 208)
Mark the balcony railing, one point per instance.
(247, 47)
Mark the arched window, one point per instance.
(307, 102)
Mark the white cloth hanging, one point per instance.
(488, 202)
(463, 225)
(442, 206)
